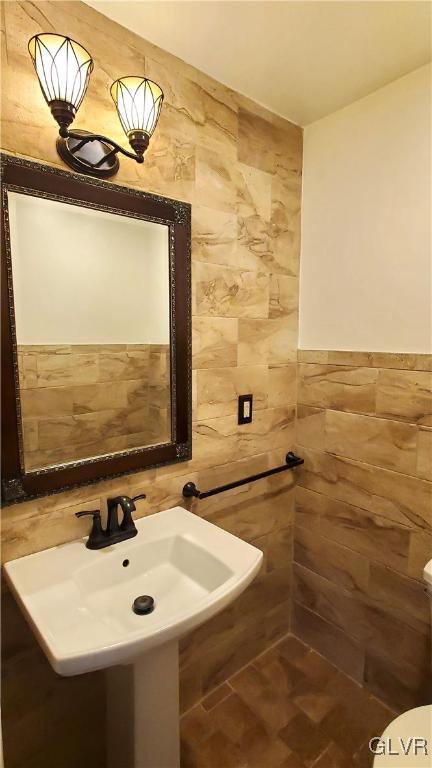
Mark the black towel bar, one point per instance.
(190, 489)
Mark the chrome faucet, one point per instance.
(114, 531)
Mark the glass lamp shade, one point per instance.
(138, 103)
(63, 68)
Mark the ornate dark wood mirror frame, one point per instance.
(29, 178)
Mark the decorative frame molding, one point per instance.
(44, 181)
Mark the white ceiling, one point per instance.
(302, 60)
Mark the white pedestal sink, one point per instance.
(79, 603)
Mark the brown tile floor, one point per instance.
(289, 708)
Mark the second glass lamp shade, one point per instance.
(138, 101)
(63, 68)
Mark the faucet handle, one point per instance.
(96, 539)
(94, 512)
(140, 496)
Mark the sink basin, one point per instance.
(80, 604)
(79, 601)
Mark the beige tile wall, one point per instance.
(85, 400)
(240, 168)
(363, 528)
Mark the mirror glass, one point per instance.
(92, 314)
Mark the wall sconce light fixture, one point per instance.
(64, 67)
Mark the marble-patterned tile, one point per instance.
(285, 219)
(77, 421)
(214, 342)
(309, 507)
(216, 441)
(22, 535)
(278, 621)
(402, 597)
(283, 717)
(420, 552)
(159, 396)
(265, 701)
(405, 395)
(310, 427)
(218, 389)
(123, 366)
(279, 552)
(55, 349)
(392, 495)
(303, 737)
(215, 183)
(245, 510)
(254, 192)
(69, 369)
(190, 691)
(122, 442)
(362, 531)
(314, 702)
(424, 453)
(27, 369)
(136, 392)
(224, 292)
(30, 435)
(335, 562)
(79, 349)
(266, 341)
(218, 695)
(382, 442)
(249, 516)
(170, 166)
(264, 246)
(180, 93)
(254, 147)
(270, 429)
(208, 637)
(286, 190)
(220, 128)
(402, 360)
(266, 146)
(271, 588)
(329, 640)
(396, 685)
(255, 244)
(342, 388)
(286, 251)
(370, 625)
(398, 360)
(284, 296)
(282, 385)
(69, 431)
(47, 401)
(319, 356)
(91, 398)
(352, 358)
(357, 702)
(228, 657)
(214, 236)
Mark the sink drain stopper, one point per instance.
(143, 604)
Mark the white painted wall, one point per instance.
(87, 277)
(365, 281)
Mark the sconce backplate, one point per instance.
(94, 157)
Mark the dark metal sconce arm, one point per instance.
(65, 133)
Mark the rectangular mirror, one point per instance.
(98, 329)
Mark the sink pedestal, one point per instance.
(143, 711)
